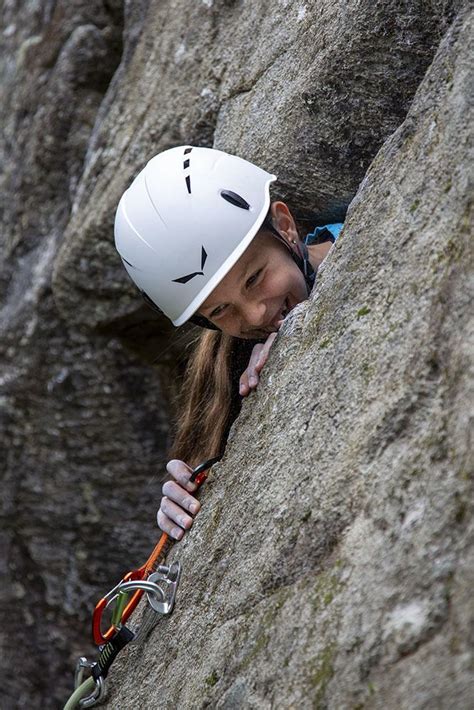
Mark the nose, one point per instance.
(254, 313)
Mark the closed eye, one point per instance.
(217, 311)
(252, 279)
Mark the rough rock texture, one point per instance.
(307, 90)
(83, 424)
(89, 90)
(332, 563)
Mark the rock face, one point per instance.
(80, 418)
(332, 562)
(330, 569)
(308, 91)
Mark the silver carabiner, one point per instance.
(96, 697)
(99, 693)
(169, 577)
(79, 672)
(152, 590)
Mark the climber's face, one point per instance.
(262, 287)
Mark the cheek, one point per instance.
(300, 288)
(293, 284)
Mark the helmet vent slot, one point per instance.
(186, 165)
(235, 199)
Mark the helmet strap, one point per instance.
(300, 256)
(202, 322)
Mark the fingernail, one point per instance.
(252, 381)
(193, 507)
(177, 533)
(241, 388)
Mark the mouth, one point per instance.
(285, 310)
(279, 317)
(274, 325)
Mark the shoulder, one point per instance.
(324, 233)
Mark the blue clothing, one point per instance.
(328, 232)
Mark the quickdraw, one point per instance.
(159, 582)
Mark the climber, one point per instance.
(199, 236)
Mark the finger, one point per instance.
(167, 525)
(181, 472)
(181, 497)
(265, 351)
(252, 369)
(175, 513)
(244, 388)
(254, 358)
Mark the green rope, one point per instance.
(86, 688)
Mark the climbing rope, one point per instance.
(159, 582)
(84, 689)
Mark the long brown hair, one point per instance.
(210, 399)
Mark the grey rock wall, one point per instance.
(309, 90)
(331, 565)
(83, 424)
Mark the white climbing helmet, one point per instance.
(185, 220)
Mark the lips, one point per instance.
(278, 317)
(285, 310)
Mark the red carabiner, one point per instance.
(156, 558)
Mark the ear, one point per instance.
(283, 221)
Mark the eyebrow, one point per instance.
(244, 271)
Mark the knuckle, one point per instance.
(174, 491)
(163, 521)
(183, 477)
(167, 487)
(165, 505)
(177, 468)
(186, 522)
(185, 502)
(193, 505)
(171, 465)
